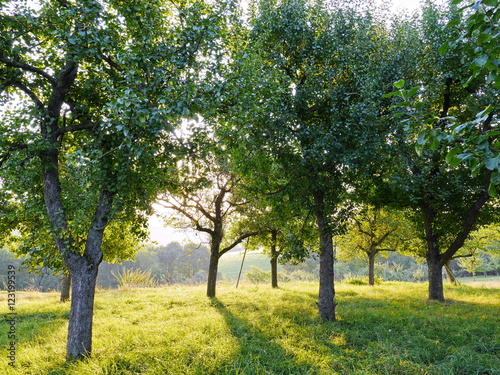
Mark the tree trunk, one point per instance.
(449, 273)
(84, 276)
(326, 303)
(436, 292)
(83, 270)
(371, 267)
(274, 259)
(65, 287)
(213, 265)
(434, 257)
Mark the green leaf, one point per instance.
(434, 144)
(492, 191)
(444, 48)
(412, 91)
(402, 104)
(490, 3)
(492, 163)
(451, 158)
(421, 138)
(389, 95)
(481, 60)
(491, 77)
(455, 2)
(399, 84)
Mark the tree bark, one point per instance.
(326, 303)
(65, 287)
(84, 276)
(434, 258)
(371, 267)
(274, 259)
(436, 292)
(213, 265)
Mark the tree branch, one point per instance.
(28, 67)
(111, 63)
(462, 256)
(27, 91)
(239, 240)
(469, 223)
(74, 128)
(384, 237)
(13, 147)
(189, 216)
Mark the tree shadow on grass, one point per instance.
(30, 327)
(31, 330)
(258, 353)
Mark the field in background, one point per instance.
(387, 329)
(230, 263)
(481, 281)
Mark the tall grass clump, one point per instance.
(134, 278)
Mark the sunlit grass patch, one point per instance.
(387, 329)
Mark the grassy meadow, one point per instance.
(387, 329)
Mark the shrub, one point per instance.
(258, 275)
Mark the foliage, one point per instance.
(100, 86)
(480, 252)
(316, 116)
(447, 203)
(374, 230)
(177, 330)
(473, 140)
(118, 94)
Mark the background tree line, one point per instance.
(188, 264)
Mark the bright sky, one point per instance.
(406, 4)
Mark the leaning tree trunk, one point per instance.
(449, 273)
(274, 260)
(326, 303)
(371, 267)
(65, 287)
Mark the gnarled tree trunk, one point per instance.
(84, 275)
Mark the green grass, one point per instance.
(386, 329)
